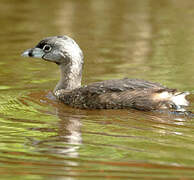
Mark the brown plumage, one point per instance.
(110, 94)
(117, 94)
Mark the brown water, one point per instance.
(41, 138)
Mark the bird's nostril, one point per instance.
(30, 53)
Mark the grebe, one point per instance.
(109, 94)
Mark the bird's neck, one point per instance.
(71, 75)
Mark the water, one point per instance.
(40, 138)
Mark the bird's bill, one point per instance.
(34, 52)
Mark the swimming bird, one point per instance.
(109, 94)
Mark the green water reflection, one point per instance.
(41, 138)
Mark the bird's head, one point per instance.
(57, 49)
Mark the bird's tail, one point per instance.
(179, 100)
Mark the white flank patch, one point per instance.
(180, 100)
(177, 98)
(164, 95)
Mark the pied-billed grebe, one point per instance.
(109, 94)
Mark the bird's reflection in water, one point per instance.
(69, 131)
(67, 127)
(68, 138)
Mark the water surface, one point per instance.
(40, 138)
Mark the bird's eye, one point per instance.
(47, 48)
